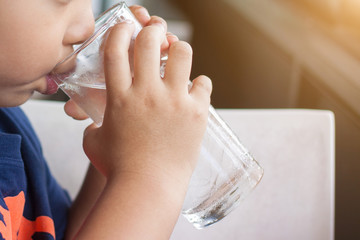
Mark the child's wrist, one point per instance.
(169, 187)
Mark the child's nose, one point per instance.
(80, 29)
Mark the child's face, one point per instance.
(35, 35)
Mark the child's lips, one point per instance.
(51, 86)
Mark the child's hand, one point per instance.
(149, 142)
(152, 126)
(142, 15)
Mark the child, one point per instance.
(143, 155)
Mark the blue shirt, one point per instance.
(32, 204)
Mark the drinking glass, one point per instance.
(226, 172)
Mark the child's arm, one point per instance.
(149, 142)
(91, 189)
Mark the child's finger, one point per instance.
(74, 111)
(171, 38)
(116, 58)
(178, 66)
(201, 89)
(147, 54)
(141, 14)
(159, 20)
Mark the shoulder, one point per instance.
(12, 119)
(11, 160)
(10, 139)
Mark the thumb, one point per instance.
(74, 111)
(90, 143)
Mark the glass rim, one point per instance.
(100, 29)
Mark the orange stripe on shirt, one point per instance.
(17, 226)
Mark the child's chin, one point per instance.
(19, 101)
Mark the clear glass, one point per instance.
(226, 172)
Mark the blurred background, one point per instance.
(280, 54)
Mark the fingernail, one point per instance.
(170, 34)
(172, 37)
(161, 26)
(143, 11)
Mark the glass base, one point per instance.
(219, 205)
